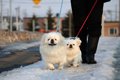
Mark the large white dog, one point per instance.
(73, 51)
(52, 49)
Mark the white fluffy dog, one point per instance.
(52, 49)
(73, 51)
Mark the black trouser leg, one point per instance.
(91, 49)
(94, 31)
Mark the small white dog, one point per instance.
(52, 49)
(73, 51)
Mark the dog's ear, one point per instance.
(43, 38)
(78, 41)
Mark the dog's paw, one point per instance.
(51, 66)
(75, 65)
(60, 67)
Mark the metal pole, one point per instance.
(1, 15)
(46, 24)
(103, 22)
(33, 26)
(119, 16)
(17, 19)
(10, 15)
(70, 25)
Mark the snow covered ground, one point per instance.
(103, 70)
(18, 46)
(21, 46)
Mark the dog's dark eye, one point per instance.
(73, 44)
(48, 39)
(55, 39)
(67, 44)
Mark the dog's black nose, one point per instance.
(52, 41)
(70, 46)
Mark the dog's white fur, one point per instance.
(73, 51)
(52, 49)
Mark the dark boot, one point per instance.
(91, 49)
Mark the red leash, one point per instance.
(87, 17)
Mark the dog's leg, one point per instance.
(51, 66)
(60, 66)
(76, 62)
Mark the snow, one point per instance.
(18, 46)
(21, 46)
(103, 70)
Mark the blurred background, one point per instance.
(44, 16)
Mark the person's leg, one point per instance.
(91, 49)
(79, 15)
(94, 31)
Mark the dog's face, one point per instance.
(52, 38)
(72, 43)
